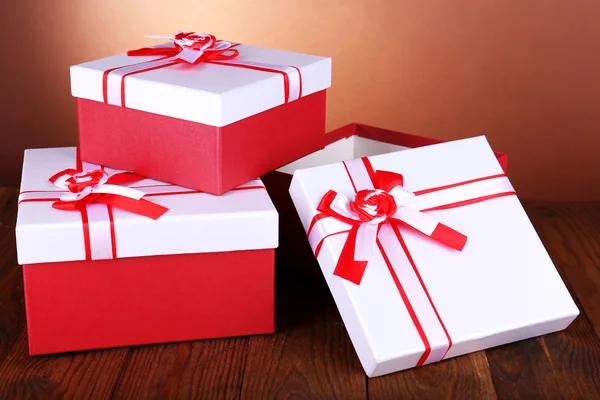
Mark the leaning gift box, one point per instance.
(429, 254)
(345, 143)
(112, 259)
(200, 112)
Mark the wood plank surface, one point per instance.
(83, 375)
(310, 356)
(210, 369)
(466, 377)
(12, 316)
(571, 234)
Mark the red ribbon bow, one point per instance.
(372, 222)
(99, 187)
(191, 47)
(388, 202)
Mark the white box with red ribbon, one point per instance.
(219, 85)
(200, 112)
(429, 254)
(133, 217)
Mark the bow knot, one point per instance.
(82, 181)
(388, 202)
(402, 196)
(98, 186)
(373, 206)
(193, 40)
(190, 47)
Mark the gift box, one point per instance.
(200, 112)
(348, 142)
(112, 259)
(429, 254)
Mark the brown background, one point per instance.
(525, 73)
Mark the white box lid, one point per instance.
(242, 219)
(210, 94)
(501, 287)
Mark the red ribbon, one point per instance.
(377, 210)
(91, 179)
(93, 175)
(210, 53)
(211, 50)
(347, 266)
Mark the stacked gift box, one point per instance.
(156, 228)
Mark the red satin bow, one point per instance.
(84, 183)
(197, 42)
(370, 213)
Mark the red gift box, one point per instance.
(348, 142)
(84, 305)
(210, 123)
(98, 275)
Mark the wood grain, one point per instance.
(82, 375)
(467, 376)
(310, 356)
(522, 370)
(12, 317)
(195, 370)
(571, 233)
(12, 306)
(574, 355)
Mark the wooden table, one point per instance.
(311, 356)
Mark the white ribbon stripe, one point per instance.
(114, 78)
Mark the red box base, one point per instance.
(199, 156)
(87, 305)
(294, 252)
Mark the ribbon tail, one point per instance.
(122, 177)
(366, 239)
(65, 205)
(77, 205)
(347, 267)
(220, 54)
(141, 207)
(448, 236)
(153, 51)
(429, 226)
(386, 180)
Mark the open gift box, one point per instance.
(201, 112)
(429, 254)
(346, 143)
(112, 259)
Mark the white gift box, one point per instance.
(242, 219)
(420, 301)
(208, 93)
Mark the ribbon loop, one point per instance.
(190, 47)
(403, 197)
(384, 200)
(370, 209)
(193, 48)
(96, 187)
